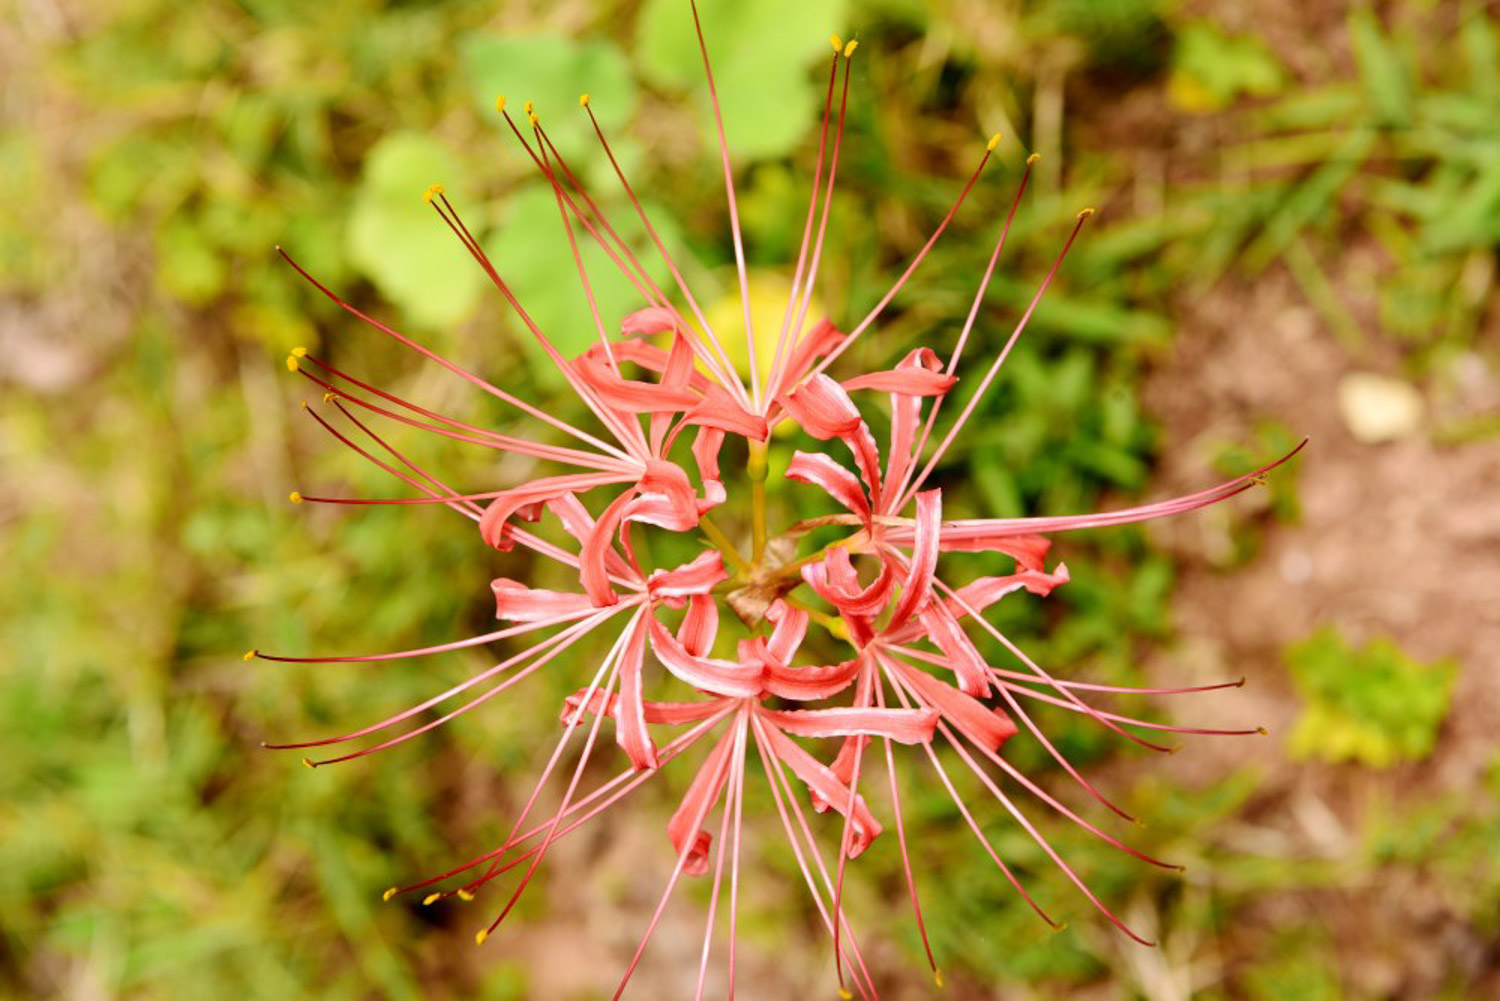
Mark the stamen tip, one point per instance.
(433, 190)
(291, 363)
(849, 49)
(535, 121)
(1241, 682)
(304, 404)
(251, 654)
(994, 141)
(844, 993)
(529, 107)
(1263, 731)
(937, 976)
(309, 763)
(388, 894)
(295, 497)
(481, 935)
(328, 396)
(1085, 213)
(836, 42)
(500, 103)
(1033, 158)
(583, 100)
(299, 352)
(431, 899)
(465, 895)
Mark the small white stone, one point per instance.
(1378, 408)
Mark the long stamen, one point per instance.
(589, 807)
(734, 212)
(544, 651)
(798, 325)
(432, 489)
(682, 856)
(606, 415)
(911, 881)
(807, 226)
(906, 698)
(458, 370)
(721, 364)
(911, 268)
(994, 369)
(963, 337)
(609, 671)
(1037, 668)
(476, 435)
(783, 796)
(736, 775)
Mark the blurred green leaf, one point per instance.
(399, 242)
(760, 53)
(552, 71)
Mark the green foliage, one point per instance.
(1210, 69)
(418, 266)
(1375, 705)
(760, 52)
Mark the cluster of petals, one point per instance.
(662, 387)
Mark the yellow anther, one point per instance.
(291, 363)
(535, 121)
(529, 106)
(304, 404)
(481, 935)
(308, 762)
(836, 42)
(250, 654)
(465, 895)
(431, 898)
(1085, 213)
(1033, 158)
(433, 190)
(295, 497)
(500, 104)
(844, 993)
(328, 396)
(937, 977)
(849, 49)
(994, 141)
(388, 894)
(299, 352)
(583, 100)
(1263, 731)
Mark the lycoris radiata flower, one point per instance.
(662, 385)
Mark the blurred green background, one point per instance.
(1332, 170)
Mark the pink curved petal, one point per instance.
(986, 727)
(836, 582)
(717, 677)
(944, 630)
(518, 500)
(917, 588)
(696, 577)
(819, 470)
(813, 346)
(905, 726)
(825, 786)
(630, 715)
(515, 602)
(648, 321)
(700, 625)
(825, 411)
(696, 802)
(592, 560)
(789, 627)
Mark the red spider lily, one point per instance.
(914, 675)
